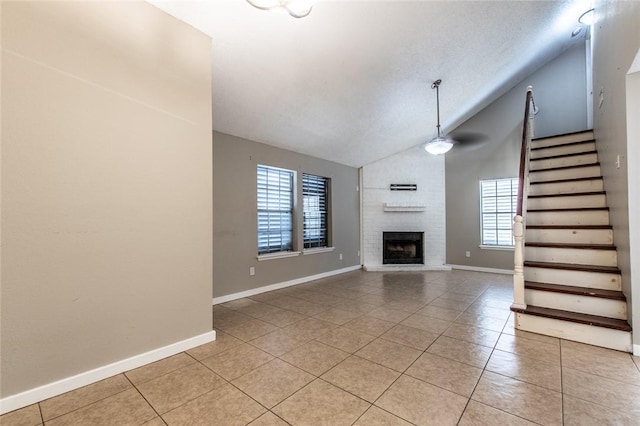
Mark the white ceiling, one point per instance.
(351, 82)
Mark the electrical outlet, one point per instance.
(467, 253)
(252, 270)
(340, 256)
(358, 253)
(618, 161)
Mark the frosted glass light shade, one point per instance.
(295, 8)
(438, 146)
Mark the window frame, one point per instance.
(498, 212)
(285, 249)
(320, 208)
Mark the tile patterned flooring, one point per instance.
(366, 349)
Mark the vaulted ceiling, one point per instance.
(351, 82)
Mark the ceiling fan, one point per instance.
(441, 144)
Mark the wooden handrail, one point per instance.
(519, 221)
(523, 151)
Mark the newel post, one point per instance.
(518, 269)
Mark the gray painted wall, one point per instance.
(235, 214)
(560, 94)
(616, 40)
(106, 187)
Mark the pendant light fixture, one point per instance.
(440, 144)
(295, 8)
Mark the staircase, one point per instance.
(572, 286)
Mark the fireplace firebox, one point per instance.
(403, 248)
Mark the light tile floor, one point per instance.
(428, 348)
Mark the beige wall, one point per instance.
(633, 156)
(559, 92)
(616, 40)
(235, 232)
(106, 186)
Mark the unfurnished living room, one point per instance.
(299, 212)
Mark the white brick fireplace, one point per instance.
(423, 210)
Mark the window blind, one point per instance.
(275, 210)
(498, 199)
(315, 200)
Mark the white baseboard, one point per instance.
(59, 387)
(481, 269)
(278, 286)
(404, 268)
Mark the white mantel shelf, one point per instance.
(404, 207)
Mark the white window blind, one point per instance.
(275, 210)
(498, 199)
(315, 200)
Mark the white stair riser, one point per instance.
(570, 236)
(569, 217)
(555, 174)
(558, 140)
(598, 336)
(570, 187)
(577, 303)
(571, 255)
(563, 150)
(569, 202)
(586, 279)
(574, 160)
(541, 177)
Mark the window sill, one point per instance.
(317, 250)
(279, 255)
(505, 248)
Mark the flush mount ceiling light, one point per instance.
(295, 8)
(440, 144)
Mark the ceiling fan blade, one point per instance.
(468, 138)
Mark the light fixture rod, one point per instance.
(436, 85)
(587, 17)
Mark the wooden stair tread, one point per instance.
(563, 144)
(571, 194)
(569, 289)
(594, 320)
(549, 157)
(587, 227)
(572, 246)
(563, 134)
(581, 179)
(570, 209)
(573, 267)
(575, 166)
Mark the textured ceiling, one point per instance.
(351, 82)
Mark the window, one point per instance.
(275, 210)
(498, 199)
(315, 201)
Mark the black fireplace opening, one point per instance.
(403, 248)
